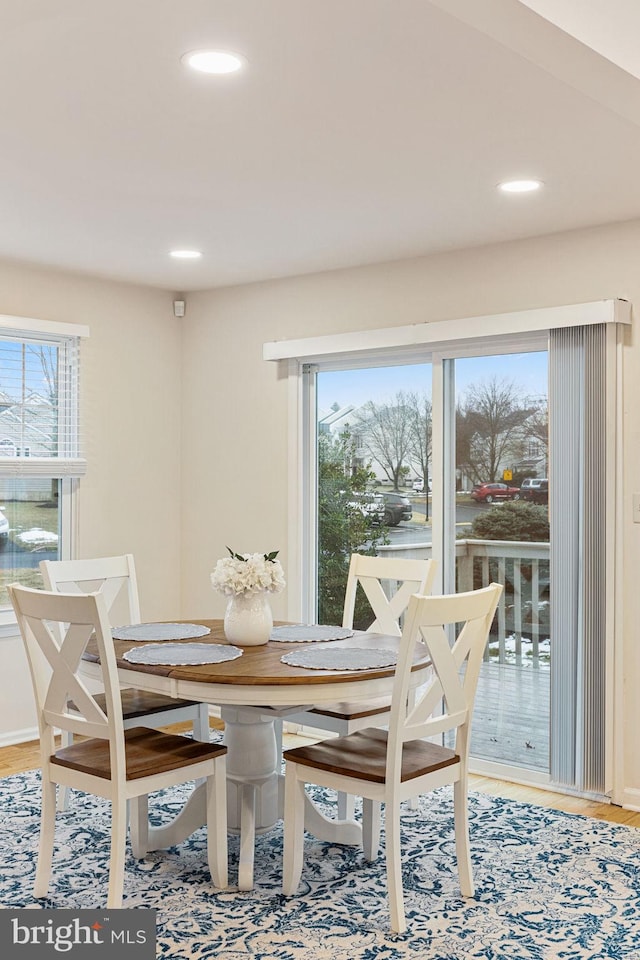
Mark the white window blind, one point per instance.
(39, 423)
(582, 435)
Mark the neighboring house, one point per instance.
(347, 418)
(534, 464)
(335, 421)
(27, 429)
(5, 401)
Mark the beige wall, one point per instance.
(130, 388)
(235, 404)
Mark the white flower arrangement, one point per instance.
(246, 573)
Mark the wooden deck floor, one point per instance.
(511, 719)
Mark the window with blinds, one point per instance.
(40, 448)
(39, 426)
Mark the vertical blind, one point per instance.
(39, 425)
(579, 557)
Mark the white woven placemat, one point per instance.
(159, 631)
(309, 632)
(333, 658)
(182, 654)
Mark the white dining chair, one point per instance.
(109, 761)
(388, 583)
(115, 577)
(390, 766)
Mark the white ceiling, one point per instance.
(362, 131)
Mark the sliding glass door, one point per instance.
(469, 457)
(384, 485)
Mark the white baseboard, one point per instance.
(19, 736)
(512, 774)
(631, 799)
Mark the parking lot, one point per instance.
(418, 529)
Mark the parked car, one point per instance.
(488, 492)
(370, 505)
(535, 489)
(418, 485)
(4, 530)
(397, 507)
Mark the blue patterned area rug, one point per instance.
(548, 885)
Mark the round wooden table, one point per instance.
(253, 691)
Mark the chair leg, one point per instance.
(277, 729)
(370, 828)
(118, 846)
(412, 696)
(47, 832)
(201, 724)
(66, 739)
(247, 835)
(293, 831)
(139, 825)
(394, 868)
(217, 827)
(463, 852)
(346, 806)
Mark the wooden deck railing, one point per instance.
(522, 620)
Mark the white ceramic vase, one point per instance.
(248, 620)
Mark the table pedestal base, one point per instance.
(252, 760)
(255, 795)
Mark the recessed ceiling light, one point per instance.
(214, 61)
(185, 254)
(520, 186)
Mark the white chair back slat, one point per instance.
(447, 701)
(114, 577)
(385, 621)
(64, 683)
(74, 724)
(405, 577)
(399, 602)
(446, 669)
(435, 726)
(56, 662)
(445, 681)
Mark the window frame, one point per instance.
(68, 466)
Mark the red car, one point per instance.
(488, 492)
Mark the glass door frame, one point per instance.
(443, 467)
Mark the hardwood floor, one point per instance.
(555, 801)
(25, 756)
